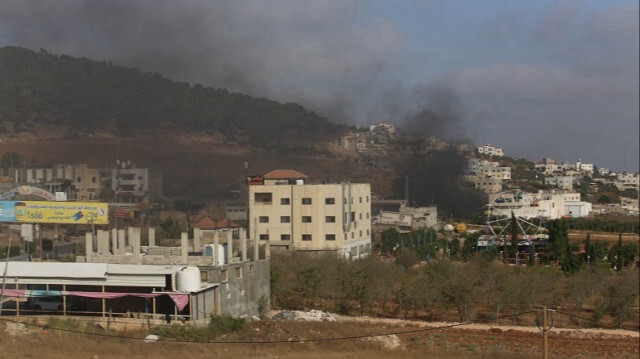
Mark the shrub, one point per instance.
(218, 325)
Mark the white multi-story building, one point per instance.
(584, 167)
(490, 150)
(564, 182)
(548, 204)
(486, 176)
(132, 184)
(288, 212)
(627, 181)
(503, 173)
(488, 185)
(549, 168)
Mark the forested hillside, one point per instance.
(86, 96)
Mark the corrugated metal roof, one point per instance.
(82, 270)
(55, 270)
(143, 269)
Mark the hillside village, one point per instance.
(110, 243)
(230, 222)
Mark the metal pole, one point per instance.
(545, 345)
(17, 304)
(64, 300)
(4, 277)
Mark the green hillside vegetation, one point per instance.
(86, 96)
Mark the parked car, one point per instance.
(49, 303)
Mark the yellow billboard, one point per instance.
(62, 212)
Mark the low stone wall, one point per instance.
(110, 323)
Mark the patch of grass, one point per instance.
(469, 347)
(496, 348)
(218, 325)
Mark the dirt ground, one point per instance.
(296, 339)
(563, 342)
(580, 235)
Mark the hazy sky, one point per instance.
(539, 78)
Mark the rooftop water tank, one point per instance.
(188, 279)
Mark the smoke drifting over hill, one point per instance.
(320, 54)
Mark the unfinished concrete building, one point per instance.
(233, 274)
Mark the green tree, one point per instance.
(587, 249)
(619, 297)
(558, 239)
(619, 254)
(467, 247)
(452, 285)
(454, 247)
(389, 240)
(532, 255)
(170, 229)
(514, 231)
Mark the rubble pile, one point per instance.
(390, 342)
(311, 316)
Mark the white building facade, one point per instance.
(311, 217)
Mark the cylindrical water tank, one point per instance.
(188, 279)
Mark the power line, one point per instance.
(282, 341)
(595, 321)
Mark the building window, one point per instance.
(367, 214)
(360, 215)
(306, 200)
(367, 199)
(79, 179)
(360, 199)
(285, 219)
(330, 237)
(203, 276)
(285, 201)
(224, 276)
(238, 272)
(330, 219)
(367, 232)
(353, 234)
(264, 237)
(264, 219)
(263, 197)
(306, 219)
(360, 233)
(352, 217)
(329, 201)
(250, 268)
(306, 237)
(285, 237)
(93, 179)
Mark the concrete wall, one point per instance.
(242, 296)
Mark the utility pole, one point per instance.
(546, 326)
